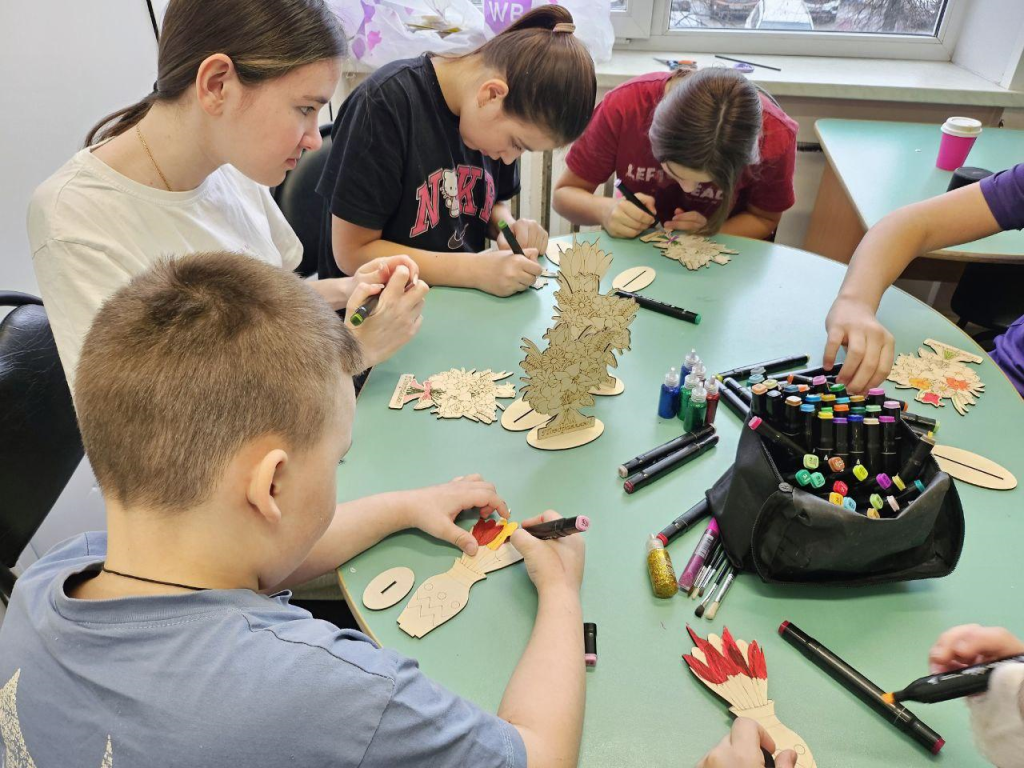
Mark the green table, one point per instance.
(643, 706)
(875, 167)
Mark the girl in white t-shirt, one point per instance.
(186, 169)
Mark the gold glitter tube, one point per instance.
(659, 566)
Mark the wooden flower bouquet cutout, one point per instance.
(737, 672)
(692, 251)
(456, 394)
(938, 375)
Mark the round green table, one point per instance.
(644, 707)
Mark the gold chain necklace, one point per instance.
(145, 146)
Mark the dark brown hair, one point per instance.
(710, 121)
(264, 39)
(193, 359)
(549, 71)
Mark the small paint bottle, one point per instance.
(668, 404)
(691, 359)
(659, 567)
(713, 397)
(689, 383)
(700, 371)
(698, 409)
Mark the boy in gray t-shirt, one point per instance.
(215, 400)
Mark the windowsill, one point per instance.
(931, 82)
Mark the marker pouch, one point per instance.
(787, 535)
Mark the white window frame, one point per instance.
(634, 23)
(832, 44)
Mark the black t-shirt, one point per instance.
(398, 164)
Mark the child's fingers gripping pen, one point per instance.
(506, 230)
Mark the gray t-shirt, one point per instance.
(218, 678)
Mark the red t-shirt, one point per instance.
(616, 142)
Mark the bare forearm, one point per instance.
(357, 526)
(580, 206)
(545, 698)
(335, 291)
(456, 269)
(881, 257)
(747, 224)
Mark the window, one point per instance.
(924, 29)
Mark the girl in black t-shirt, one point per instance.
(426, 150)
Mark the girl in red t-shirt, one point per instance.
(706, 150)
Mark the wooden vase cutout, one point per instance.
(942, 374)
(388, 588)
(590, 329)
(974, 469)
(634, 279)
(737, 672)
(518, 416)
(444, 595)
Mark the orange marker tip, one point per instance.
(888, 698)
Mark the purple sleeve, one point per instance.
(1004, 193)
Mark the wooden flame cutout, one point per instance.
(737, 672)
(444, 595)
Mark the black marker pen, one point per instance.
(951, 685)
(661, 307)
(557, 529)
(685, 521)
(669, 463)
(673, 445)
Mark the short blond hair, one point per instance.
(195, 358)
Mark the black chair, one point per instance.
(303, 208)
(989, 295)
(40, 446)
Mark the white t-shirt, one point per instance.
(92, 230)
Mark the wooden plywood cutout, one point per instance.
(634, 279)
(444, 595)
(555, 250)
(543, 279)
(693, 251)
(456, 393)
(520, 416)
(388, 588)
(737, 672)
(974, 469)
(940, 374)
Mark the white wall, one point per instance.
(64, 64)
(991, 40)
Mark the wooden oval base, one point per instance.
(520, 417)
(568, 440)
(388, 588)
(555, 250)
(617, 389)
(634, 279)
(974, 469)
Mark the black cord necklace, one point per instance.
(153, 581)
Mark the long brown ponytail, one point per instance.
(710, 122)
(264, 39)
(549, 71)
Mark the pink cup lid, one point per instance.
(967, 127)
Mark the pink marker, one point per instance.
(700, 555)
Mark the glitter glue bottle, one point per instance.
(668, 404)
(691, 359)
(700, 371)
(713, 397)
(684, 395)
(698, 409)
(659, 566)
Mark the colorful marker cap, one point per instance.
(856, 398)
(873, 514)
(803, 477)
(856, 417)
(794, 401)
(825, 413)
(873, 409)
(900, 485)
(819, 381)
(801, 388)
(836, 498)
(807, 408)
(850, 504)
(756, 422)
(817, 479)
(919, 485)
(891, 501)
(755, 378)
(883, 481)
(840, 487)
(886, 419)
(771, 383)
(828, 398)
(759, 389)
(892, 404)
(811, 461)
(875, 391)
(860, 472)
(876, 501)
(812, 399)
(836, 464)
(842, 408)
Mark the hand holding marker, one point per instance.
(358, 317)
